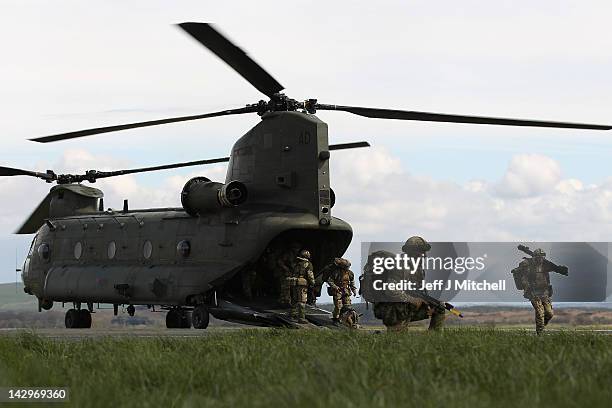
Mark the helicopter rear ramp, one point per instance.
(270, 317)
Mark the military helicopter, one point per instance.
(191, 261)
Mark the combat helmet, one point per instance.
(416, 245)
(342, 263)
(539, 253)
(305, 254)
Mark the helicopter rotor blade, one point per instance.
(354, 145)
(106, 129)
(236, 58)
(441, 117)
(106, 174)
(9, 171)
(93, 174)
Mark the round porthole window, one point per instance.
(111, 250)
(78, 250)
(183, 248)
(147, 249)
(44, 252)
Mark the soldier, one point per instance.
(302, 278)
(532, 276)
(349, 317)
(404, 308)
(248, 276)
(285, 271)
(341, 283)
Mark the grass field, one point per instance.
(14, 298)
(455, 368)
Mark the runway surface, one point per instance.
(82, 334)
(67, 334)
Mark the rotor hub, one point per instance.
(280, 102)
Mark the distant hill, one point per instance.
(14, 298)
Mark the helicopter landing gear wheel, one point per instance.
(131, 310)
(174, 319)
(84, 319)
(185, 320)
(72, 319)
(200, 317)
(46, 304)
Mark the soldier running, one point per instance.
(532, 276)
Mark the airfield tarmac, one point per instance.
(83, 334)
(60, 333)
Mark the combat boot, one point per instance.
(437, 319)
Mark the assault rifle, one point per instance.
(561, 269)
(432, 301)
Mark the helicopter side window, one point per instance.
(44, 251)
(31, 251)
(183, 248)
(147, 249)
(78, 250)
(111, 250)
(26, 267)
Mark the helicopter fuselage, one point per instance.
(188, 256)
(164, 256)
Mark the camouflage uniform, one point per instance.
(349, 317)
(285, 264)
(405, 308)
(302, 278)
(532, 276)
(341, 284)
(248, 281)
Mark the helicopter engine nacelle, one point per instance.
(200, 195)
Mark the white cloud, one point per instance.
(530, 202)
(529, 175)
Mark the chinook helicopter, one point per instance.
(191, 261)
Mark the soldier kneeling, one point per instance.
(398, 308)
(397, 315)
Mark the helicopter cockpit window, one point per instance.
(78, 250)
(31, 251)
(183, 248)
(147, 249)
(44, 252)
(112, 250)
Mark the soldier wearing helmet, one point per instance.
(416, 247)
(301, 279)
(532, 276)
(285, 263)
(341, 284)
(403, 308)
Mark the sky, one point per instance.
(68, 65)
